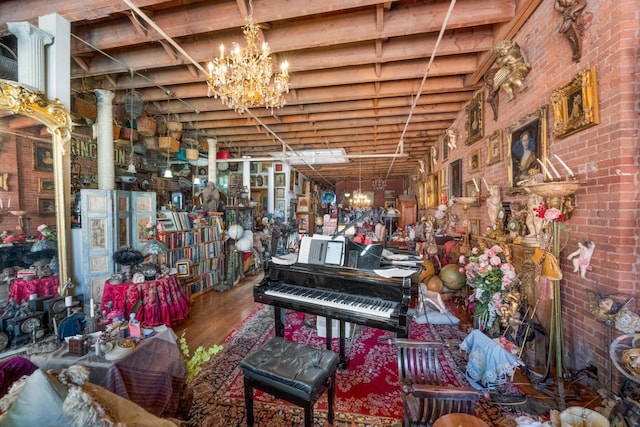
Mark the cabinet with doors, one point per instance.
(111, 219)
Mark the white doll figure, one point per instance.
(494, 202)
(584, 253)
(534, 223)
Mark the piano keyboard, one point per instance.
(358, 304)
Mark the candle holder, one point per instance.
(465, 247)
(557, 194)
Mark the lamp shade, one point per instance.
(235, 231)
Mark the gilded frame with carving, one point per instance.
(494, 147)
(474, 123)
(575, 106)
(535, 125)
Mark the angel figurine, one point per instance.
(583, 254)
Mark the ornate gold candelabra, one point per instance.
(556, 194)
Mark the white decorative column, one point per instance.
(270, 190)
(213, 150)
(31, 57)
(246, 173)
(58, 66)
(106, 169)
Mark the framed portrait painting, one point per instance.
(279, 179)
(455, 179)
(42, 157)
(279, 193)
(474, 123)
(494, 147)
(526, 144)
(575, 106)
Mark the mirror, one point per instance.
(28, 102)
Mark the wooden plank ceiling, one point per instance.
(356, 67)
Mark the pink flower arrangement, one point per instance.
(492, 277)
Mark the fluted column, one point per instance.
(246, 173)
(31, 54)
(106, 169)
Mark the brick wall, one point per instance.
(604, 156)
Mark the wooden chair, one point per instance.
(425, 395)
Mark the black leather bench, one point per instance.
(290, 371)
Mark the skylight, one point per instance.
(314, 157)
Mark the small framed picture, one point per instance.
(494, 147)
(389, 194)
(42, 157)
(444, 147)
(475, 119)
(46, 207)
(279, 179)
(303, 204)
(46, 185)
(253, 167)
(252, 181)
(184, 268)
(280, 205)
(575, 105)
(279, 193)
(474, 161)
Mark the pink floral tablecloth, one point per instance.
(21, 289)
(163, 300)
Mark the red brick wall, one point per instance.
(17, 160)
(605, 157)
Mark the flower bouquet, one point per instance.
(492, 279)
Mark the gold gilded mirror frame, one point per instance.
(21, 99)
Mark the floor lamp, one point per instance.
(556, 193)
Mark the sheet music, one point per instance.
(304, 253)
(394, 272)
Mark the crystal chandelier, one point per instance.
(243, 79)
(379, 184)
(360, 199)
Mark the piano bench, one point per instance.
(290, 371)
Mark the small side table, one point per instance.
(457, 420)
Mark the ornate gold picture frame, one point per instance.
(530, 130)
(444, 147)
(474, 161)
(575, 106)
(475, 119)
(494, 147)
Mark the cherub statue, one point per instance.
(572, 23)
(534, 223)
(583, 254)
(513, 68)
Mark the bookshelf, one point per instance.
(200, 243)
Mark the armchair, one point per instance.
(425, 395)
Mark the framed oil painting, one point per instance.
(279, 179)
(42, 157)
(494, 147)
(46, 185)
(575, 106)
(389, 194)
(279, 193)
(444, 147)
(474, 123)
(455, 179)
(526, 143)
(474, 161)
(46, 207)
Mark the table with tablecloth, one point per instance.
(21, 289)
(153, 375)
(163, 301)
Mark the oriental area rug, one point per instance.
(367, 392)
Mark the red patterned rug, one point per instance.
(367, 393)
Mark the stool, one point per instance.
(290, 371)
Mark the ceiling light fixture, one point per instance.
(360, 199)
(379, 183)
(167, 172)
(243, 79)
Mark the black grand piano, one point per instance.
(345, 294)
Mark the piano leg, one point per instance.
(344, 360)
(279, 319)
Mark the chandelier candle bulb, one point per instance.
(553, 169)
(564, 165)
(544, 169)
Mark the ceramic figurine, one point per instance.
(494, 202)
(583, 254)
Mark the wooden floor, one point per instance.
(215, 314)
